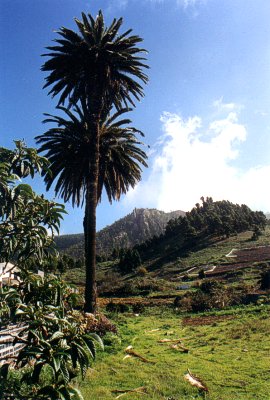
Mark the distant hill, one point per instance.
(135, 228)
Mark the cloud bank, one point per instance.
(185, 4)
(190, 161)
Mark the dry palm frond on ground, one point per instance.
(195, 381)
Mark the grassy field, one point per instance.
(229, 350)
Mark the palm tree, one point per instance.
(96, 69)
(67, 149)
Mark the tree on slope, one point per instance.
(95, 68)
(66, 147)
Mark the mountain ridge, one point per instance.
(136, 227)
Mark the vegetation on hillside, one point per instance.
(135, 228)
(203, 225)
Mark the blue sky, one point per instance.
(206, 111)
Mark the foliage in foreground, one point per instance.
(57, 346)
(25, 217)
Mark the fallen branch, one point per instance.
(139, 390)
(179, 347)
(195, 381)
(127, 356)
(170, 340)
(131, 353)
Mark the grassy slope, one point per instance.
(212, 254)
(170, 271)
(230, 356)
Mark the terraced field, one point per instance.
(244, 258)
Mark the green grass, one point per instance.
(231, 356)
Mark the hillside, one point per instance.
(135, 228)
(200, 241)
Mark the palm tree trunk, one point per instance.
(90, 219)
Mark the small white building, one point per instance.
(8, 274)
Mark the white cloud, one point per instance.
(191, 161)
(121, 4)
(220, 106)
(262, 113)
(190, 3)
(185, 4)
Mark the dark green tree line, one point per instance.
(207, 221)
(217, 218)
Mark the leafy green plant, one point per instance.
(56, 344)
(25, 217)
(54, 339)
(9, 298)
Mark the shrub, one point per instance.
(186, 303)
(215, 296)
(265, 280)
(185, 278)
(129, 260)
(177, 301)
(138, 308)
(201, 302)
(201, 274)
(256, 233)
(142, 271)
(211, 286)
(109, 282)
(117, 307)
(99, 324)
(55, 339)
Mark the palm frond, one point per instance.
(68, 146)
(95, 57)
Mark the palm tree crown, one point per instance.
(97, 58)
(67, 148)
